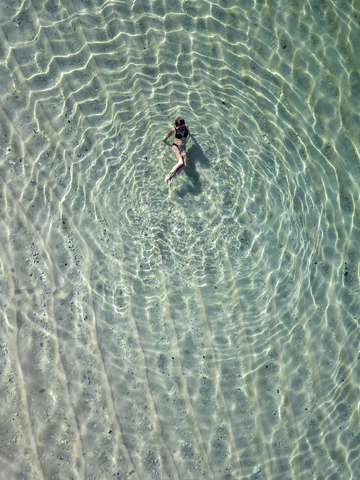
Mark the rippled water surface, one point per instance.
(205, 331)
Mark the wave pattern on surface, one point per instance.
(211, 330)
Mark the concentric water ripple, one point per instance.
(210, 330)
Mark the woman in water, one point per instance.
(181, 132)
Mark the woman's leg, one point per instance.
(178, 167)
(175, 171)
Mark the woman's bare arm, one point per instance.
(168, 135)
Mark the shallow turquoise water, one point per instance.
(206, 331)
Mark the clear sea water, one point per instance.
(205, 331)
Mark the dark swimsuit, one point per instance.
(178, 135)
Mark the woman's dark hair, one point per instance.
(179, 121)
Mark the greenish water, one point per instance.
(210, 330)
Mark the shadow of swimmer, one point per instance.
(196, 156)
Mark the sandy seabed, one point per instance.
(205, 331)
